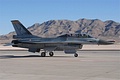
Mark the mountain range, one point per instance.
(94, 27)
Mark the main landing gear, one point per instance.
(51, 54)
(43, 54)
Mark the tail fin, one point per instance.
(19, 28)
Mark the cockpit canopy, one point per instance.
(77, 35)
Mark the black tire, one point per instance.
(75, 55)
(51, 54)
(43, 54)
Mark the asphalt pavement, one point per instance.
(90, 65)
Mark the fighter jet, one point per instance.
(69, 43)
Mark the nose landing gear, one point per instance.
(75, 55)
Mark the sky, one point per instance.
(39, 11)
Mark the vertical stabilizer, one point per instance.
(19, 28)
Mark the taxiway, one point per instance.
(90, 65)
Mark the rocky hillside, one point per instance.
(94, 27)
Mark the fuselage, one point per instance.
(67, 41)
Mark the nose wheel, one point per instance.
(75, 55)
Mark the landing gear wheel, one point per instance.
(76, 55)
(51, 54)
(43, 54)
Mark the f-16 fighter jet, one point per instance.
(69, 43)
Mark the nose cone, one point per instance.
(103, 42)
